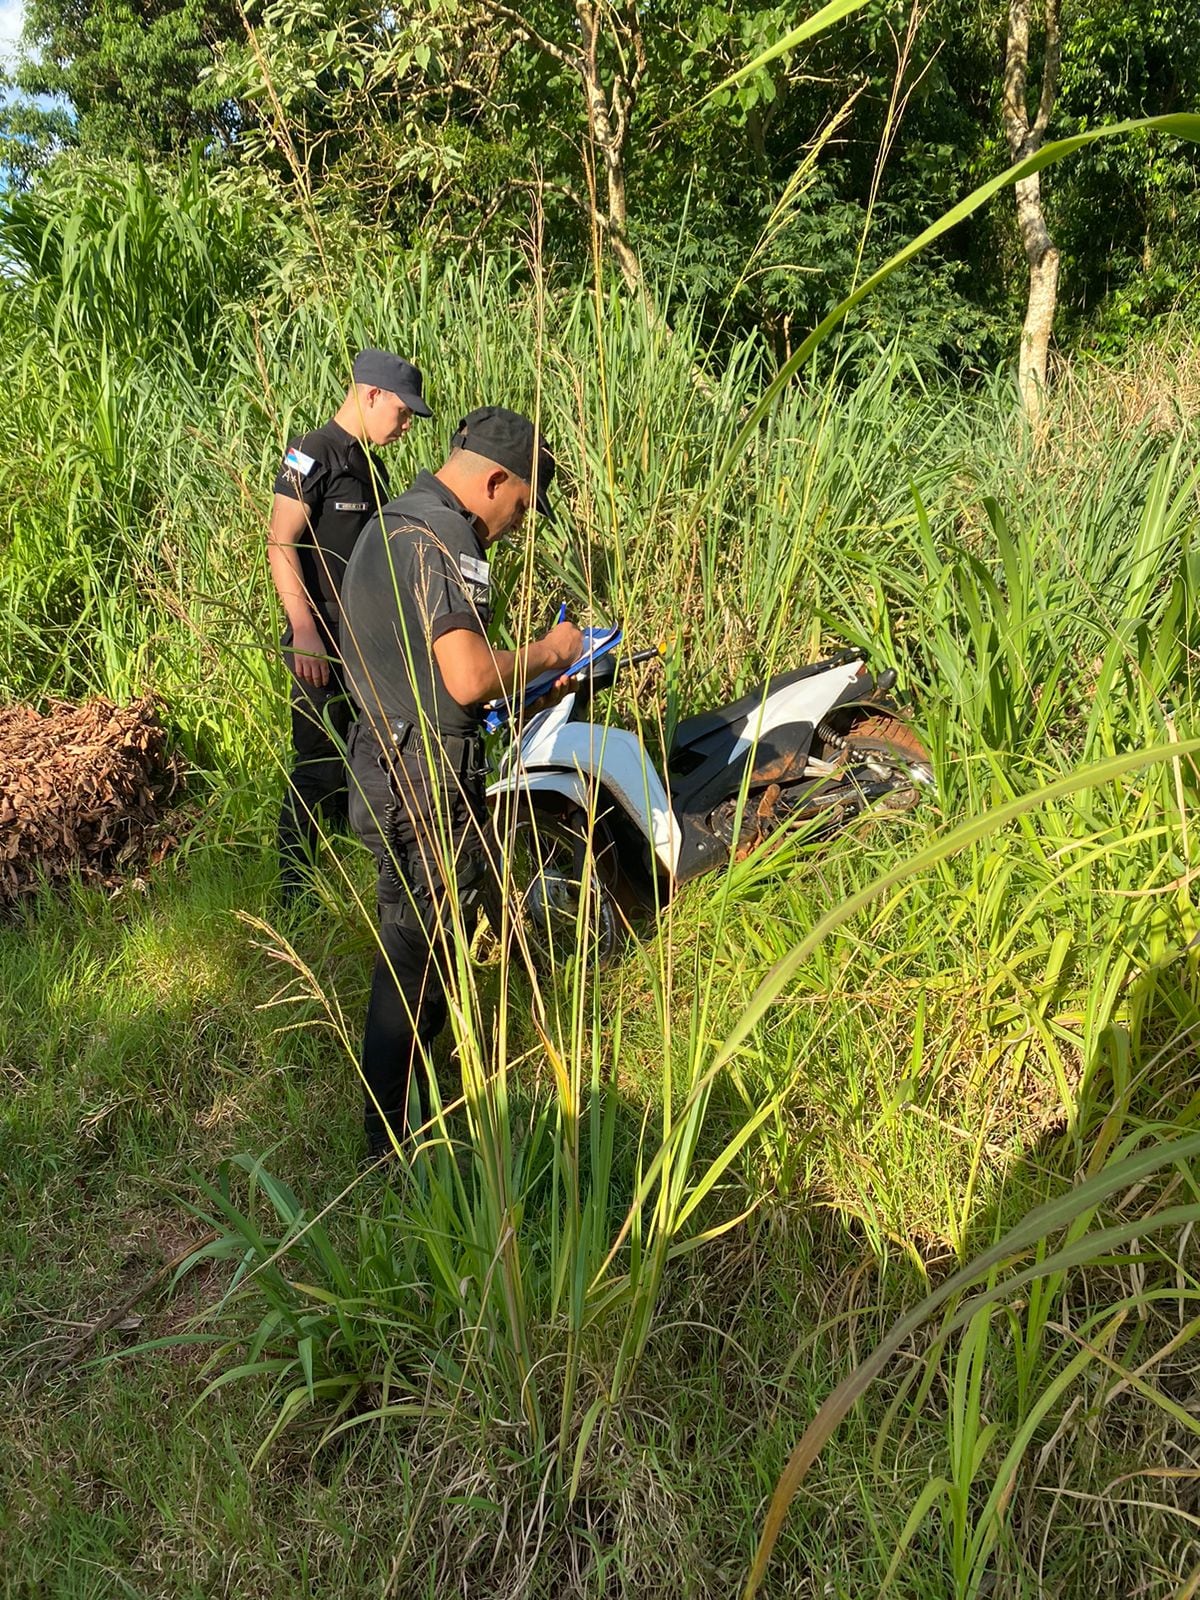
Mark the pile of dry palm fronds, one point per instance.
(83, 789)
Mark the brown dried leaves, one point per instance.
(82, 789)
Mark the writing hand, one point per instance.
(564, 645)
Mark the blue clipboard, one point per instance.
(597, 643)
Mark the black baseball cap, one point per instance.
(382, 370)
(509, 439)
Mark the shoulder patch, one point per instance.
(299, 462)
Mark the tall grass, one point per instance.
(990, 1020)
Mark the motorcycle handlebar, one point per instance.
(608, 666)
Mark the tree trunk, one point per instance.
(610, 126)
(608, 112)
(1042, 256)
(1025, 138)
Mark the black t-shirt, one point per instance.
(417, 572)
(342, 485)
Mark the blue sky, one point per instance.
(11, 12)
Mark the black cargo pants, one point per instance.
(425, 824)
(315, 790)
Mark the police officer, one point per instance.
(328, 487)
(416, 602)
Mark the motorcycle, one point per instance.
(592, 836)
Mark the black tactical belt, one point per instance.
(464, 753)
(401, 733)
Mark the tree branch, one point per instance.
(557, 186)
(80, 1343)
(557, 52)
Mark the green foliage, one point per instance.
(135, 75)
(660, 1213)
(446, 126)
(374, 112)
(1129, 221)
(130, 259)
(30, 132)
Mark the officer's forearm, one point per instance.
(473, 671)
(474, 675)
(513, 665)
(289, 584)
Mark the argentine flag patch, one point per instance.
(299, 462)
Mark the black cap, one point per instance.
(383, 371)
(508, 439)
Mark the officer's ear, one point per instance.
(496, 479)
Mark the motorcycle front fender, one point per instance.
(590, 766)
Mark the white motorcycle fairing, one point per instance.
(584, 762)
(805, 701)
(579, 759)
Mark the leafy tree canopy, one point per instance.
(135, 71)
(456, 124)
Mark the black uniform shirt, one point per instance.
(417, 572)
(342, 486)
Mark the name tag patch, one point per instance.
(477, 581)
(350, 505)
(299, 462)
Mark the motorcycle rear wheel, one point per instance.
(888, 734)
(887, 741)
